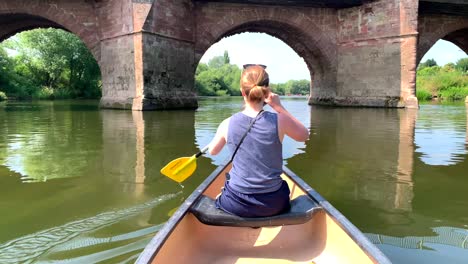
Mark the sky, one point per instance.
(284, 64)
(444, 52)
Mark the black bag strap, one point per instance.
(245, 134)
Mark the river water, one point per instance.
(82, 185)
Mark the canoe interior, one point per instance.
(320, 240)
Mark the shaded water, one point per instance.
(82, 185)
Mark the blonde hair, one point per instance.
(254, 83)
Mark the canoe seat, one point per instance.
(302, 210)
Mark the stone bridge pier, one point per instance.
(359, 52)
(145, 48)
(150, 65)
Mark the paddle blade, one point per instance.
(180, 169)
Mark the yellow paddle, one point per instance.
(181, 168)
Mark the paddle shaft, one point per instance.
(202, 151)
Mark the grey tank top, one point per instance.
(258, 163)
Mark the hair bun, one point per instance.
(254, 83)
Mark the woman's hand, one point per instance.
(274, 101)
(287, 123)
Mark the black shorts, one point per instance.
(254, 205)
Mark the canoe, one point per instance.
(313, 231)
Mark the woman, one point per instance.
(255, 188)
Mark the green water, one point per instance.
(82, 185)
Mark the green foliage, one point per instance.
(462, 65)
(423, 95)
(449, 67)
(279, 88)
(454, 93)
(201, 68)
(216, 62)
(447, 83)
(428, 71)
(49, 58)
(227, 60)
(301, 87)
(3, 96)
(428, 63)
(294, 87)
(220, 78)
(206, 83)
(6, 69)
(217, 78)
(221, 93)
(45, 93)
(48, 93)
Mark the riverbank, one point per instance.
(446, 83)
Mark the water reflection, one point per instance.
(123, 148)
(361, 155)
(404, 181)
(85, 162)
(168, 135)
(53, 143)
(441, 134)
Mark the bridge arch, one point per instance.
(300, 31)
(432, 28)
(81, 20)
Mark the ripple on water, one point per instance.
(29, 248)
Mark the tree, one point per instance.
(4, 68)
(428, 63)
(201, 68)
(55, 60)
(216, 62)
(217, 78)
(449, 67)
(462, 65)
(209, 83)
(231, 76)
(301, 87)
(278, 88)
(227, 60)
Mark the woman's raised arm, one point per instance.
(287, 123)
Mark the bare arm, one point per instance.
(287, 123)
(219, 140)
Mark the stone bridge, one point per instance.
(359, 52)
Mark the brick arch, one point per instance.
(311, 34)
(15, 23)
(432, 28)
(77, 17)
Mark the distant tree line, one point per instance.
(449, 82)
(48, 64)
(219, 77)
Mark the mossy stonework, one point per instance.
(359, 53)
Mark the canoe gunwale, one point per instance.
(361, 240)
(156, 243)
(153, 247)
